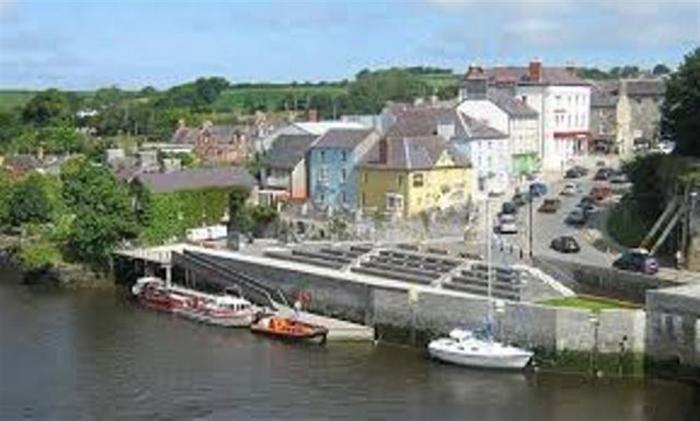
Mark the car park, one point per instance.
(565, 244)
(571, 173)
(550, 206)
(577, 216)
(637, 260)
(587, 204)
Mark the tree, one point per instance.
(10, 128)
(660, 69)
(102, 209)
(29, 202)
(681, 108)
(239, 216)
(47, 108)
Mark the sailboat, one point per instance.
(463, 347)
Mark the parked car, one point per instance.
(618, 177)
(637, 260)
(600, 164)
(603, 174)
(571, 173)
(565, 244)
(538, 189)
(506, 217)
(550, 206)
(577, 216)
(507, 228)
(509, 208)
(587, 204)
(600, 193)
(570, 189)
(580, 169)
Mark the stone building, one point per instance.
(638, 114)
(603, 120)
(215, 143)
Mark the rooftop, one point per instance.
(196, 179)
(424, 121)
(645, 87)
(320, 127)
(343, 138)
(288, 150)
(411, 153)
(512, 106)
(520, 75)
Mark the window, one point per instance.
(343, 175)
(400, 181)
(344, 156)
(364, 199)
(394, 201)
(417, 180)
(322, 174)
(524, 98)
(323, 156)
(344, 197)
(365, 178)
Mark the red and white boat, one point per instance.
(221, 310)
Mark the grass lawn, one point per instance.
(589, 303)
(439, 80)
(11, 99)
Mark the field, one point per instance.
(11, 99)
(440, 80)
(269, 96)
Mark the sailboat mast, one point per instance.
(489, 258)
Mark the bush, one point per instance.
(40, 254)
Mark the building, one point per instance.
(638, 113)
(603, 115)
(404, 176)
(499, 109)
(332, 166)
(315, 128)
(484, 147)
(673, 328)
(214, 143)
(284, 168)
(562, 101)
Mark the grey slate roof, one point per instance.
(288, 150)
(424, 120)
(196, 179)
(654, 87)
(411, 153)
(342, 138)
(509, 104)
(184, 136)
(520, 75)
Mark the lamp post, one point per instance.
(529, 231)
(595, 322)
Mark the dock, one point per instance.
(338, 330)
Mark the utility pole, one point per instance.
(529, 231)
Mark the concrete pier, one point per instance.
(338, 330)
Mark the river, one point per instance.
(95, 355)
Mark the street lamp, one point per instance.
(595, 322)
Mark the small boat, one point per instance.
(220, 310)
(463, 348)
(288, 328)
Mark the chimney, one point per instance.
(312, 114)
(475, 84)
(383, 150)
(535, 70)
(570, 68)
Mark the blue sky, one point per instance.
(87, 44)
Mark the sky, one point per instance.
(83, 45)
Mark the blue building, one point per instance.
(332, 165)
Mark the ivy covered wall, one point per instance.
(169, 215)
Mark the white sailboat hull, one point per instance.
(513, 362)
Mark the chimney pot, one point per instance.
(535, 70)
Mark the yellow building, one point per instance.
(406, 175)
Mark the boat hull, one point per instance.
(515, 361)
(293, 331)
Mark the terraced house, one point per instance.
(403, 176)
(332, 166)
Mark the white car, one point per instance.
(570, 189)
(506, 218)
(508, 228)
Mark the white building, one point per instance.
(562, 101)
(500, 110)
